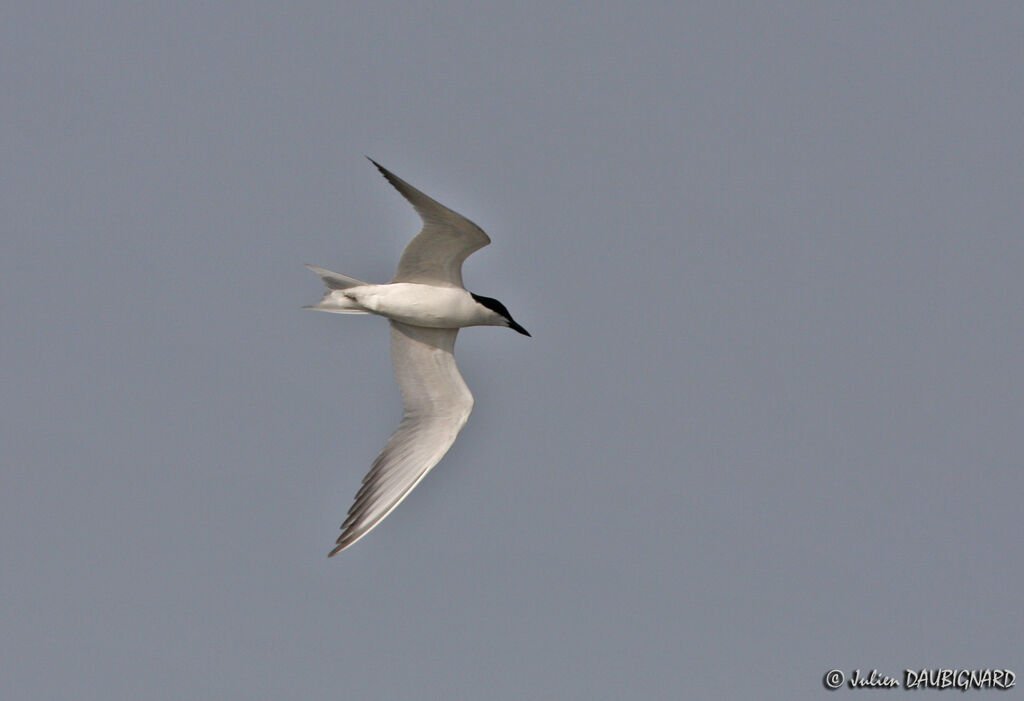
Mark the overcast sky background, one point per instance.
(769, 422)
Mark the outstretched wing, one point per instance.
(435, 255)
(436, 404)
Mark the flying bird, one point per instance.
(426, 305)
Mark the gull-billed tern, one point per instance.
(426, 305)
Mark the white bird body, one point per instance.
(418, 305)
(427, 305)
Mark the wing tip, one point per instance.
(384, 171)
(345, 540)
(416, 198)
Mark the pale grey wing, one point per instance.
(435, 255)
(436, 405)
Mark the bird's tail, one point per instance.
(335, 281)
(334, 301)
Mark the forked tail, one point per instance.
(334, 301)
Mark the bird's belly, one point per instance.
(418, 305)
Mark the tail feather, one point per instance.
(333, 280)
(327, 305)
(335, 301)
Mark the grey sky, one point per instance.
(769, 423)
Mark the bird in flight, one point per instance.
(426, 305)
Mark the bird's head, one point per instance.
(498, 313)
